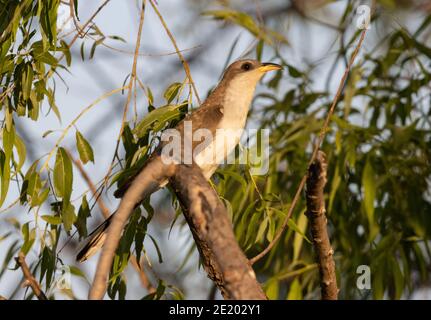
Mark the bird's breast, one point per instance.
(229, 130)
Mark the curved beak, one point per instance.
(268, 66)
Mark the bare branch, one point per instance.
(30, 279)
(206, 215)
(316, 214)
(317, 146)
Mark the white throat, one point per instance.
(237, 100)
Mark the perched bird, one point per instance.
(225, 108)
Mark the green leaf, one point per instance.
(272, 288)
(293, 225)
(172, 91)
(293, 72)
(157, 119)
(5, 158)
(295, 290)
(29, 238)
(21, 150)
(66, 50)
(298, 238)
(369, 185)
(262, 229)
(84, 148)
(68, 216)
(54, 220)
(63, 175)
(159, 253)
(52, 104)
(27, 81)
(81, 221)
(8, 141)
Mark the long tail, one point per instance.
(97, 238)
(94, 242)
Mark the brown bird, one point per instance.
(225, 108)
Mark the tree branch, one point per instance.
(206, 215)
(30, 279)
(148, 181)
(316, 214)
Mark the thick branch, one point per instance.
(206, 215)
(147, 182)
(30, 279)
(316, 181)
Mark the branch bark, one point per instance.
(206, 215)
(30, 279)
(316, 181)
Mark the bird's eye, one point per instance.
(246, 66)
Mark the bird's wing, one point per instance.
(207, 116)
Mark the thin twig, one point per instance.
(30, 279)
(317, 146)
(74, 18)
(142, 275)
(180, 56)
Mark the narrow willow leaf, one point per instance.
(29, 237)
(63, 175)
(272, 288)
(84, 148)
(172, 91)
(295, 291)
(27, 81)
(68, 216)
(369, 185)
(81, 221)
(54, 220)
(298, 238)
(159, 253)
(21, 150)
(158, 118)
(5, 158)
(293, 225)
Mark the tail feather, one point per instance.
(95, 241)
(97, 238)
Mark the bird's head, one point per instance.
(249, 71)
